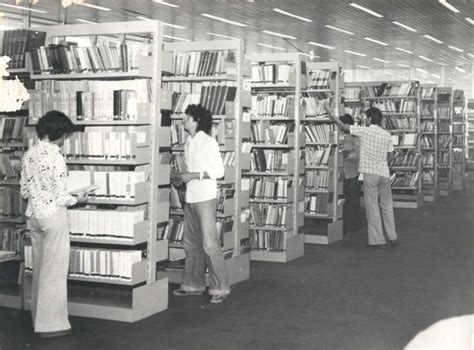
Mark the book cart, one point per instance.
(459, 173)
(277, 156)
(211, 73)
(324, 175)
(444, 140)
(429, 146)
(112, 272)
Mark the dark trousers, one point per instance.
(352, 215)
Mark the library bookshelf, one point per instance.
(277, 163)
(429, 146)
(400, 103)
(211, 73)
(324, 175)
(459, 174)
(115, 97)
(444, 140)
(470, 140)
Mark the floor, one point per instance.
(343, 296)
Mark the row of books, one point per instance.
(83, 105)
(353, 93)
(211, 95)
(263, 214)
(203, 63)
(443, 142)
(224, 192)
(427, 126)
(66, 59)
(427, 110)
(400, 123)
(408, 180)
(398, 106)
(268, 73)
(11, 202)
(265, 105)
(90, 222)
(316, 203)
(408, 139)
(179, 135)
(320, 79)
(11, 128)
(405, 159)
(174, 229)
(268, 160)
(320, 132)
(458, 128)
(10, 237)
(428, 159)
(428, 92)
(427, 142)
(317, 179)
(265, 132)
(444, 126)
(444, 111)
(10, 165)
(15, 43)
(314, 105)
(96, 263)
(443, 158)
(111, 185)
(318, 155)
(391, 90)
(428, 177)
(270, 188)
(458, 155)
(273, 241)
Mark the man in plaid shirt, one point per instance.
(375, 148)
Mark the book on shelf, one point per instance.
(428, 177)
(273, 241)
(269, 160)
(203, 63)
(428, 159)
(397, 106)
(12, 128)
(322, 133)
(316, 203)
(317, 179)
(428, 92)
(320, 79)
(274, 215)
(405, 159)
(96, 263)
(427, 126)
(270, 188)
(427, 110)
(313, 103)
(11, 203)
(10, 237)
(224, 192)
(270, 73)
(15, 43)
(318, 155)
(405, 140)
(267, 133)
(10, 165)
(399, 123)
(443, 142)
(353, 93)
(408, 180)
(427, 141)
(272, 105)
(390, 90)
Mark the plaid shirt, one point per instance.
(375, 142)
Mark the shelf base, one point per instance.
(333, 233)
(294, 250)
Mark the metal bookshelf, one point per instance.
(459, 174)
(444, 140)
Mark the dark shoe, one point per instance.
(55, 334)
(393, 243)
(218, 299)
(385, 245)
(185, 293)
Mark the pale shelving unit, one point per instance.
(445, 140)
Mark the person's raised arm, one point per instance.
(335, 119)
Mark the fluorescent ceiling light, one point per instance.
(221, 35)
(403, 50)
(404, 26)
(433, 39)
(373, 13)
(403, 65)
(321, 45)
(425, 58)
(430, 81)
(455, 48)
(355, 53)
(470, 54)
(421, 70)
(102, 8)
(459, 69)
(338, 29)
(223, 20)
(365, 67)
(173, 25)
(380, 60)
(449, 6)
(175, 38)
(292, 15)
(470, 20)
(272, 47)
(23, 8)
(435, 75)
(376, 41)
(310, 55)
(144, 18)
(165, 3)
(389, 73)
(279, 34)
(464, 58)
(85, 21)
(442, 64)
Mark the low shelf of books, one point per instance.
(399, 102)
(429, 146)
(459, 174)
(210, 73)
(277, 166)
(444, 140)
(324, 175)
(111, 90)
(470, 139)
(12, 206)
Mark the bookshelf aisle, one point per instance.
(458, 176)
(211, 73)
(470, 139)
(429, 146)
(277, 156)
(323, 177)
(444, 140)
(111, 89)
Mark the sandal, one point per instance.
(218, 299)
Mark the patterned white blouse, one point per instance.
(44, 180)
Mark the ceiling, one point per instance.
(425, 16)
